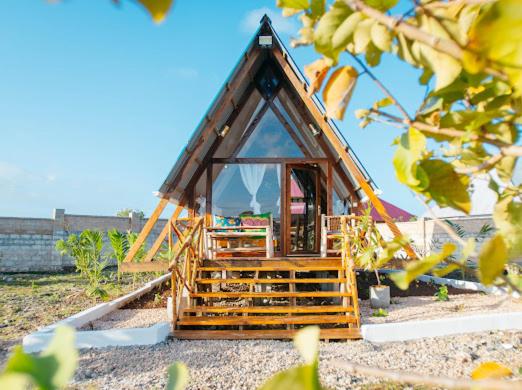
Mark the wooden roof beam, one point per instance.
(340, 148)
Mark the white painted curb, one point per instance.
(38, 340)
(104, 338)
(411, 330)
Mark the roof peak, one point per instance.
(265, 19)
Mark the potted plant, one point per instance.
(371, 253)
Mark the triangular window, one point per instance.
(270, 139)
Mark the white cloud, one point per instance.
(250, 22)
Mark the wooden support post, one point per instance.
(166, 229)
(173, 289)
(146, 230)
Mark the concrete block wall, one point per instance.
(428, 236)
(27, 244)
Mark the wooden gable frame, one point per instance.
(196, 158)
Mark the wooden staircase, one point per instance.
(259, 298)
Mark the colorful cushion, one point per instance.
(220, 221)
(256, 220)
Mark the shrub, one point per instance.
(87, 251)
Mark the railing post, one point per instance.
(174, 286)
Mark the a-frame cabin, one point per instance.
(258, 180)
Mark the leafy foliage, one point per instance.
(126, 212)
(87, 251)
(304, 376)
(380, 312)
(442, 294)
(468, 123)
(52, 369)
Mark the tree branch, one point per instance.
(382, 88)
(414, 33)
(489, 163)
(506, 148)
(419, 379)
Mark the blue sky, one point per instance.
(96, 101)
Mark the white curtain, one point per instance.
(252, 176)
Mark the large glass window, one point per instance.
(270, 139)
(248, 188)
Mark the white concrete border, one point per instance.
(411, 330)
(38, 340)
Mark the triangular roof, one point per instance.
(218, 132)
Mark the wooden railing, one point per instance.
(352, 230)
(184, 263)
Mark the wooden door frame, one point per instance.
(287, 210)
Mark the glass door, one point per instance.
(302, 209)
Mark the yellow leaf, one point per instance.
(338, 91)
(490, 370)
(158, 9)
(316, 72)
(492, 259)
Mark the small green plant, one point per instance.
(87, 251)
(51, 370)
(442, 294)
(157, 299)
(380, 313)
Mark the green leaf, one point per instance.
(497, 36)
(382, 103)
(158, 9)
(307, 343)
(381, 37)
(295, 4)
(417, 268)
(14, 381)
(446, 187)
(373, 55)
(382, 5)
(326, 28)
(361, 35)
(178, 376)
(411, 146)
(344, 34)
(492, 259)
(303, 377)
(508, 220)
(54, 367)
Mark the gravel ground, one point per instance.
(426, 308)
(129, 318)
(247, 364)
(402, 309)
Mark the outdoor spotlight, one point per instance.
(315, 132)
(224, 130)
(265, 40)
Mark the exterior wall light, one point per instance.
(265, 41)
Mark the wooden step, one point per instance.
(274, 334)
(287, 262)
(279, 294)
(266, 320)
(270, 281)
(268, 309)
